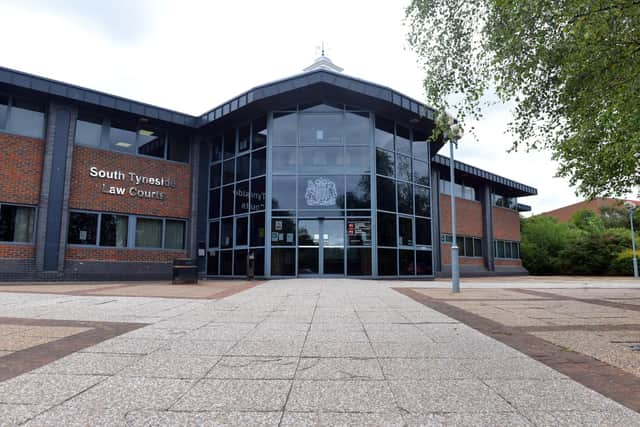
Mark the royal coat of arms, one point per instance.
(321, 192)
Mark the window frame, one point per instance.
(35, 223)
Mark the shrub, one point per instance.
(593, 253)
(543, 239)
(622, 264)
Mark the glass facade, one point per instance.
(323, 190)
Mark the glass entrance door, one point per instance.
(321, 247)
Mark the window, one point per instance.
(16, 223)
(242, 224)
(114, 230)
(174, 234)
(405, 231)
(88, 130)
(283, 192)
(461, 191)
(506, 249)
(385, 164)
(259, 138)
(148, 233)
(504, 201)
(321, 129)
(356, 128)
(358, 192)
(21, 116)
(386, 229)
(285, 126)
(151, 142)
(386, 193)
(467, 246)
(405, 197)
(242, 197)
(83, 228)
(384, 133)
(403, 145)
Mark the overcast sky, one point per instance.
(191, 56)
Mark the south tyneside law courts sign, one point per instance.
(128, 184)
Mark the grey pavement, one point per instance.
(291, 353)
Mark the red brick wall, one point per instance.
(468, 216)
(21, 161)
(86, 191)
(509, 262)
(506, 224)
(565, 213)
(11, 251)
(76, 253)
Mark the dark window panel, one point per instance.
(83, 228)
(424, 263)
(420, 146)
(403, 168)
(227, 171)
(4, 108)
(308, 232)
(229, 143)
(386, 194)
(387, 262)
(423, 201)
(226, 233)
(258, 162)
(421, 173)
(258, 194)
(17, 223)
(178, 149)
(405, 231)
(477, 247)
(227, 200)
(216, 148)
(333, 260)
(359, 261)
(386, 229)
(242, 167)
(242, 237)
(308, 261)
(468, 246)
(214, 203)
(257, 231)
(283, 262)
(385, 163)
(423, 231)
(151, 142)
(406, 265)
(26, 118)
(242, 197)
(240, 262)
(405, 197)
(243, 139)
(284, 192)
(358, 192)
(259, 138)
(214, 234)
(258, 261)
(283, 232)
(214, 176)
(403, 143)
(114, 230)
(212, 263)
(384, 133)
(226, 263)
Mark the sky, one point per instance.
(191, 56)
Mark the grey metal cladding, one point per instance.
(91, 97)
(5, 76)
(58, 89)
(123, 105)
(107, 101)
(40, 85)
(21, 80)
(137, 109)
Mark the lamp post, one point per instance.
(630, 207)
(452, 132)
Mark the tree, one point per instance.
(571, 68)
(543, 240)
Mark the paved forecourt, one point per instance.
(288, 352)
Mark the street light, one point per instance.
(630, 207)
(452, 132)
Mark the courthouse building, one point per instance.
(319, 174)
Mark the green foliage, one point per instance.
(593, 252)
(618, 217)
(587, 220)
(571, 68)
(542, 241)
(622, 264)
